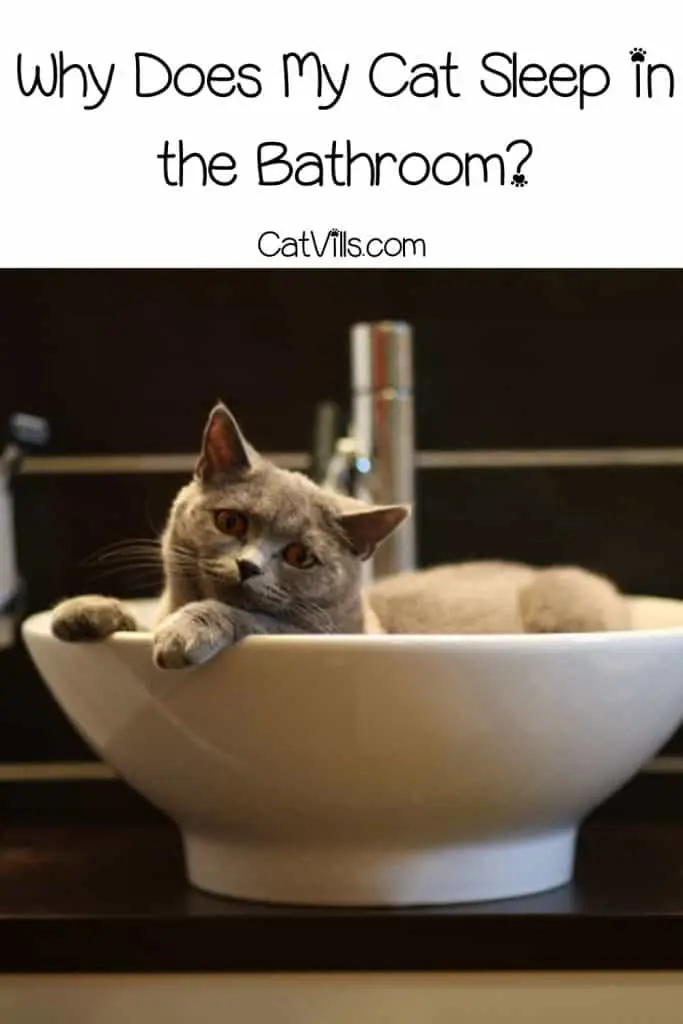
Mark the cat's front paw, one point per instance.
(92, 617)
(190, 637)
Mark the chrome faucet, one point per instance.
(376, 461)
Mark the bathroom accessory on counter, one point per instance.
(25, 432)
(378, 770)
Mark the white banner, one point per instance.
(366, 134)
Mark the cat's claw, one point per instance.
(172, 651)
(89, 618)
(181, 641)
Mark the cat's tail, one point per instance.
(571, 600)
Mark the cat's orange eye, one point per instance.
(231, 522)
(299, 556)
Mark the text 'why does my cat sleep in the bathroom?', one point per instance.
(307, 78)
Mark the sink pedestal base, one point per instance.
(334, 875)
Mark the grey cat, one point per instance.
(251, 548)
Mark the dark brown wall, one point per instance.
(129, 362)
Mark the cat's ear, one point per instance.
(224, 449)
(366, 529)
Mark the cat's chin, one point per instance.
(241, 595)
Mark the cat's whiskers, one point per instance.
(314, 615)
(218, 570)
(131, 543)
(141, 559)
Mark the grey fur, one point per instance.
(206, 606)
(91, 618)
(499, 597)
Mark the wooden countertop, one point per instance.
(94, 897)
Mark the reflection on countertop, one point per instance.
(93, 897)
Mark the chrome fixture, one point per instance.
(376, 461)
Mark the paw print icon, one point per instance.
(638, 55)
(519, 180)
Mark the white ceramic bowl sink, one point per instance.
(378, 770)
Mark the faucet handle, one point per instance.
(29, 431)
(341, 469)
(327, 429)
(25, 432)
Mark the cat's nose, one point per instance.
(247, 569)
